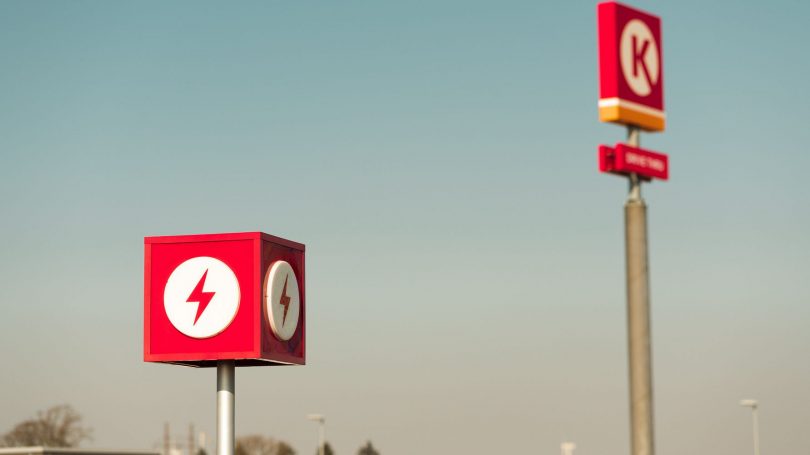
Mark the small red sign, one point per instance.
(224, 297)
(624, 160)
(631, 72)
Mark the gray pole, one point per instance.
(226, 394)
(638, 315)
(756, 430)
(322, 437)
(754, 405)
(321, 420)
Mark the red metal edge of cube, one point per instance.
(240, 266)
(624, 160)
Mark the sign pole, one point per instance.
(226, 395)
(638, 314)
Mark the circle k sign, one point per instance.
(631, 75)
(218, 297)
(638, 52)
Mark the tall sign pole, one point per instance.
(226, 406)
(638, 314)
(631, 93)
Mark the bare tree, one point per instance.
(58, 426)
(260, 445)
(368, 449)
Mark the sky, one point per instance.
(465, 259)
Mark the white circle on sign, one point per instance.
(638, 52)
(282, 300)
(201, 297)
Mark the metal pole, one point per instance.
(166, 439)
(226, 394)
(756, 429)
(634, 139)
(322, 436)
(191, 449)
(638, 315)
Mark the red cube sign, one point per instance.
(631, 74)
(224, 297)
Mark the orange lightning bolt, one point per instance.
(201, 297)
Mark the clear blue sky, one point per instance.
(439, 161)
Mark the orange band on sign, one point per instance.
(614, 110)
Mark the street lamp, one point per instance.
(567, 448)
(753, 405)
(321, 431)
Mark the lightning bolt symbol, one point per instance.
(284, 300)
(201, 297)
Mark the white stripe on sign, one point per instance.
(610, 102)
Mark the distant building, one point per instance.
(39, 450)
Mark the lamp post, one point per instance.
(754, 406)
(321, 431)
(567, 448)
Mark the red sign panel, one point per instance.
(624, 159)
(631, 72)
(224, 297)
